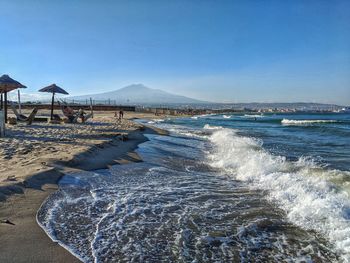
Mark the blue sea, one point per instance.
(219, 188)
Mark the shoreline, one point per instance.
(21, 237)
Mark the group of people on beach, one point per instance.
(71, 114)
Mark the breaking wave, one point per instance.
(253, 116)
(155, 121)
(210, 127)
(313, 197)
(303, 122)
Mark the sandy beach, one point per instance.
(33, 159)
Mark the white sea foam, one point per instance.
(305, 122)
(176, 208)
(155, 121)
(301, 188)
(204, 115)
(226, 116)
(210, 127)
(253, 116)
(47, 220)
(199, 134)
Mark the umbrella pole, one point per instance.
(5, 108)
(52, 103)
(19, 102)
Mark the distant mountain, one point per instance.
(140, 94)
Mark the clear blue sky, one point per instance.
(239, 51)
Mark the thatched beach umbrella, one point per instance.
(6, 85)
(53, 89)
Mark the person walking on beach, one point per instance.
(121, 114)
(117, 116)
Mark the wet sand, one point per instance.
(33, 159)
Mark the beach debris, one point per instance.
(11, 178)
(55, 121)
(6, 221)
(12, 120)
(124, 137)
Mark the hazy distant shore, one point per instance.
(34, 158)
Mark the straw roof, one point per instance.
(54, 89)
(7, 84)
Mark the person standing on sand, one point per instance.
(117, 116)
(121, 114)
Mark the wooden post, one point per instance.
(91, 108)
(5, 108)
(2, 124)
(52, 103)
(19, 102)
(2, 102)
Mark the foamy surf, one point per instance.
(253, 116)
(154, 121)
(305, 122)
(247, 203)
(311, 202)
(210, 127)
